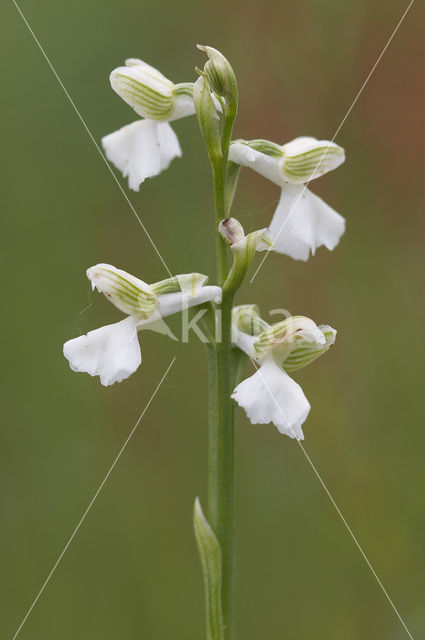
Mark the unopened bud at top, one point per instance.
(150, 93)
(231, 230)
(221, 76)
(208, 118)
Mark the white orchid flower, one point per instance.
(302, 221)
(270, 394)
(113, 351)
(146, 147)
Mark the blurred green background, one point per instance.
(132, 570)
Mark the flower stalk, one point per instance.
(215, 98)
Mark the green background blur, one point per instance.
(132, 570)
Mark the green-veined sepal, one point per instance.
(264, 146)
(128, 293)
(306, 158)
(145, 89)
(286, 334)
(190, 283)
(246, 318)
(305, 352)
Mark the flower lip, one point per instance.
(111, 352)
(270, 395)
(142, 149)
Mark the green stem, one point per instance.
(221, 414)
(220, 214)
(221, 460)
(221, 427)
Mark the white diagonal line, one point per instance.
(83, 122)
(92, 500)
(338, 510)
(333, 138)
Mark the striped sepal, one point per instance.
(306, 352)
(127, 293)
(246, 318)
(287, 333)
(146, 90)
(307, 158)
(190, 283)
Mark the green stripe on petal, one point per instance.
(184, 89)
(169, 285)
(267, 147)
(246, 318)
(306, 352)
(308, 158)
(129, 294)
(191, 283)
(286, 334)
(146, 90)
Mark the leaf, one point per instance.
(210, 555)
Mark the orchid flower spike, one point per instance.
(302, 221)
(113, 352)
(270, 394)
(146, 147)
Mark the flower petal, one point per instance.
(303, 222)
(267, 165)
(141, 150)
(168, 145)
(243, 341)
(170, 303)
(111, 352)
(191, 283)
(270, 395)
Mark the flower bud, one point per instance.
(208, 118)
(243, 251)
(127, 293)
(231, 230)
(221, 76)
